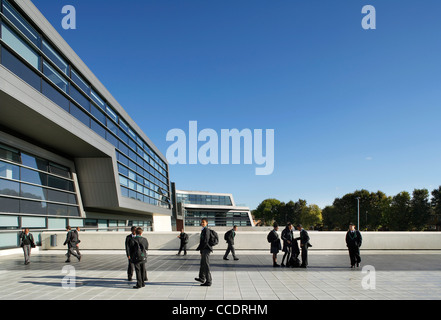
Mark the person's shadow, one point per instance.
(96, 282)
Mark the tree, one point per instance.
(436, 207)
(267, 211)
(420, 209)
(311, 216)
(398, 216)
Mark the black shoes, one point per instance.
(200, 280)
(226, 259)
(275, 265)
(235, 259)
(206, 284)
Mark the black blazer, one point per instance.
(203, 240)
(127, 244)
(71, 238)
(141, 240)
(27, 240)
(183, 237)
(353, 239)
(229, 236)
(304, 237)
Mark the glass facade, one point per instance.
(28, 54)
(217, 218)
(34, 186)
(203, 199)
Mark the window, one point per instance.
(100, 116)
(34, 162)
(33, 222)
(80, 98)
(79, 114)
(96, 98)
(20, 46)
(56, 209)
(111, 113)
(59, 183)
(54, 57)
(9, 171)
(9, 205)
(21, 23)
(54, 76)
(80, 82)
(9, 153)
(59, 170)
(33, 192)
(34, 177)
(95, 126)
(33, 207)
(20, 69)
(53, 94)
(9, 188)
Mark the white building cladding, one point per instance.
(57, 121)
(219, 209)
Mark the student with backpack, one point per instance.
(207, 240)
(138, 255)
(184, 240)
(229, 238)
(276, 246)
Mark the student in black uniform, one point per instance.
(273, 238)
(287, 237)
(184, 240)
(353, 242)
(72, 242)
(138, 254)
(205, 250)
(131, 266)
(27, 242)
(229, 237)
(304, 244)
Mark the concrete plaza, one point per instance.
(102, 275)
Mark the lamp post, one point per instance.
(358, 213)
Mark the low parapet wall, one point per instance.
(253, 240)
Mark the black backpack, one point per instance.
(270, 237)
(138, 252)
(214, 238)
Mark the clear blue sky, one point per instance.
(351, 108)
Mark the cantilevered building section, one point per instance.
(69, 153)
(219, 208)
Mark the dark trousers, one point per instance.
(183, 247)
(130, 269)
(27, 252)
(305, 255)
(141, 274)
(204, 270)
(354, 255)
(71, 251)
(230, 249)
(287, 255)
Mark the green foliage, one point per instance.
(378, 211)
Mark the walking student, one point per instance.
(229, 237)
(184, 240)
(353, 242)
(273, 238)
(138, 254)
(287, 237)
(205, 250)
(131, 266)
(72, 242)
(27, 242)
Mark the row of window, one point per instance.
(203, 199)
(140, 196)
(14, 205)
(126, 165)
(216, 218)
(81, 92)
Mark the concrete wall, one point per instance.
(248, 240)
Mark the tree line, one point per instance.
(402, 212)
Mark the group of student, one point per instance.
(137, 246)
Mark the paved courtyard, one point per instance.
(102, 275)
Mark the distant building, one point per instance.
(219, 208)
